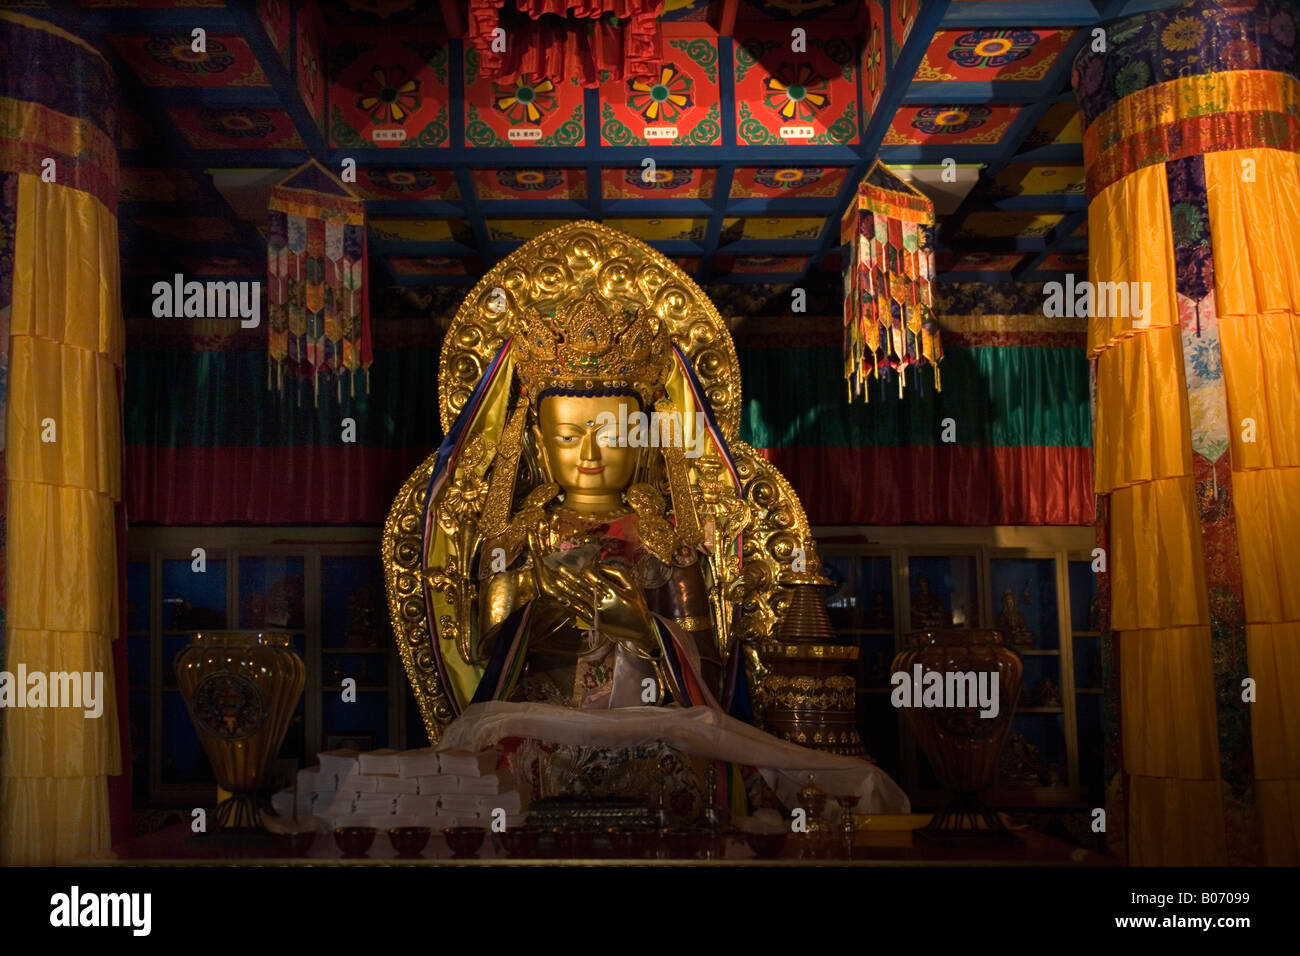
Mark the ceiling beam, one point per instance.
(897, 82)
(727, 18)
(282, 79)
(1057, 80)
(726, 172)
(464, 180)
(1020, 13)
(944, 92)
(452, 19)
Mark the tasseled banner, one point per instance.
(319, 315)
(888, 282)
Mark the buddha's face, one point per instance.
(581, 447)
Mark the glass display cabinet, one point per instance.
(326, 590)
(1031, 584)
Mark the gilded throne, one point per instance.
(592, 546)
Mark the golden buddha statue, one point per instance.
(618, 611)
(589, 559)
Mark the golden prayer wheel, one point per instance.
(809, 698)
(241, 688)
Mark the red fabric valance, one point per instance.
(565, 45)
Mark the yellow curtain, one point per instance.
(63, 466)
(1192, 158)
(1159, 612)
(1254, 204)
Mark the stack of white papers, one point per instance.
(380, 761)
(441, 783)
(462, 763)
(328, 803)
(338, 763)
(396, 784)
(376, 788)
(459, 803)
(374, 803)
(311, 779)
(421, 806)
(483, 806)
(495, 782)
(282, 802)
(417, 763)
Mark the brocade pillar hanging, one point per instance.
(1192, 149)
(62, 305)
(318, 296)
(888, 282)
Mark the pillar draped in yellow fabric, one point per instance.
(1143, 455)
(65, 356)
(1256, 243)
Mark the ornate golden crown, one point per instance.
(586, 346)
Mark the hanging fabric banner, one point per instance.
(318, 296)
(888, 282)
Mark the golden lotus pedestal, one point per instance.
(241, 688)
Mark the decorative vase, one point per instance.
(963, 746)
(240, 688)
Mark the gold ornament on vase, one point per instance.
(241, 689)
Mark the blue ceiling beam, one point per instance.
(1052, 154)
(245, 15)
(582, 156)
(533, 208)
(421, 281)
(612, 208)
(669, 247)
(769, 247)
(972, 275)
(1062, 238)
(1029, 264)
(1057, 80)
(251, 97)
(936, 154)
(197, 159)
(727, 173)
(897, 81)
(658, 208)
(1008, 14)
(1054, 202)
(420, 247)
(781, 206)
(595, 205)
(943, 93)
(764, 278)
(175, 146)
(464, 181)
(414, 209)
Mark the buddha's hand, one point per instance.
(610, 588)
(560, 580)
(623, 612)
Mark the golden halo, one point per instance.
(559, 267)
